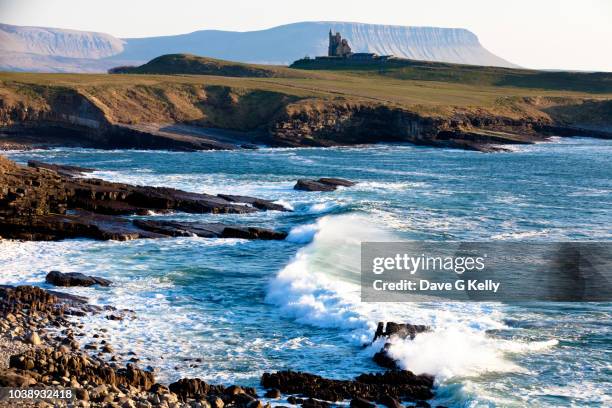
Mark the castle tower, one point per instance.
(338, 47)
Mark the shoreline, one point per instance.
(39, 347)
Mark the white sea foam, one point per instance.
(388, 185)
(285, 204)
(517, 235)
(302, 234)
(323, 207)
(320, 287)
(452, 352)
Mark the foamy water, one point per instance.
(247, 307)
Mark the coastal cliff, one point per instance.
(203, 112)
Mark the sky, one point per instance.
(542, 34)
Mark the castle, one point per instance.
(339, 54)
(340, 48)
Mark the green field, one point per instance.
(246, 94)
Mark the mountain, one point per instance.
(49, 49)
(58, 42)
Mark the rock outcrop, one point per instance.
(371, 387)
(57, 359)
(58, 278)
(61, 169)
(38, 203)
(322, 184)
(401, 330)
(208, 230)
(392, 329)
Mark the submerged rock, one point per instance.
(322, 184)
(58, 278)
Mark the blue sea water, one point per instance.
(246, 307)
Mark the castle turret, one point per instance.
(338, 46)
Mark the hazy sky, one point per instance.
(568, 34)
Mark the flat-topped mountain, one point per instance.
(58, 42)
(53, 50)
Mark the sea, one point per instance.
(228, 310)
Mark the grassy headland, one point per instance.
(407, 100)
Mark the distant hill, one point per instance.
(193, 65)
(47, 49)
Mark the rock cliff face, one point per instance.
(339, 124)
(179, 117)
(42, 49)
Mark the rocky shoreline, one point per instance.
(50, 202)
(40, 348)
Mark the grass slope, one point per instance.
(188, 64)
(404, 69)
(236, 101)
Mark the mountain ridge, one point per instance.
(280, 45)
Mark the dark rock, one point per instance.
(312, 185)
(208, 230)
(322, 184)
(47, 361)
(15, 379)
(241, 400)
(215, 402)
(255, 202)
(383, 359)
(372, 387)
(79, 224)
(193, 388)
(42, 203)
(233, 390)
(336, 181)
(58, 278)
(249, 146)
(32, 300)
(62, 169)
(159, 389)
(273, 393)
(359, 402)
(401, 330)
(82, 394)
(313, 403)
(254, 404)
(389, 402)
